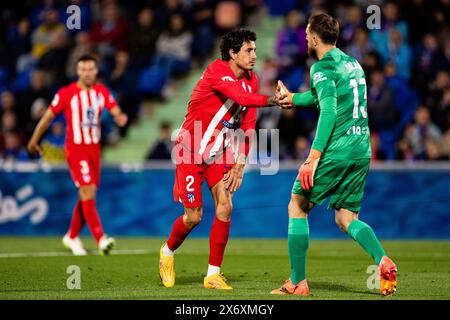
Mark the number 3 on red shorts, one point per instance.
(85, 171)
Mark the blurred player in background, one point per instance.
(223, 100)
(82, 102)
(339, 160)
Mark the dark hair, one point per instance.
(165, 125)
(234, 40)
(87, 57)
(325, 26)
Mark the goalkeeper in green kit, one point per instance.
(339, 160)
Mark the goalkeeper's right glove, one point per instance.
(283, 90)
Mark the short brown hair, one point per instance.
(87, 57)
(325, 26)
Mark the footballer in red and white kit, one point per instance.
(223, 102)
(204, 145)
(82, 103)
(82, 109)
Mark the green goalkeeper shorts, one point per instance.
(341, 180)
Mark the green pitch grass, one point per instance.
(35, 268)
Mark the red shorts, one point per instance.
(84, 164)
(189, 179)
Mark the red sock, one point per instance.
(77, 221)
(178, 234)
(92, 219)
(218, 239)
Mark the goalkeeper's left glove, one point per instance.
(308, 168)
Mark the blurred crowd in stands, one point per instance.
(142, 46)
(407, 64)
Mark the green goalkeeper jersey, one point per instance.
(338, 88)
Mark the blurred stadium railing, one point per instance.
(402, 200)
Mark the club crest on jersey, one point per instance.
(90, 115)
(90, 118)
(191, 197)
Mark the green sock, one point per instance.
(363, 234)
(298, 243)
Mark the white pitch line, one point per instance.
(64, 254)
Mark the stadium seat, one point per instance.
(295, 78)
(22, 81)
(387, 143)
(152, 81)
(3, 79)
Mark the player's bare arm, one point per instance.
(242, 61)
(233, 178)
(41, 128)
(235, 92)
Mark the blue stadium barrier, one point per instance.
(399, 203)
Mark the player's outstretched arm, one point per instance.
(325, 125)
(299, 99)
(327, 97)
(236, 92)
(120, 118)
(41, 128)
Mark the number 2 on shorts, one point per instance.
(190, 181)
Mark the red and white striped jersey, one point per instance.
(83, 110)
(220, 102)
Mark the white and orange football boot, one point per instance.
(288, 287)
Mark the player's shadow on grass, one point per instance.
(195, 279)
(322, 285)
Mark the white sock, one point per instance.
(167, 251)
(212, 270)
